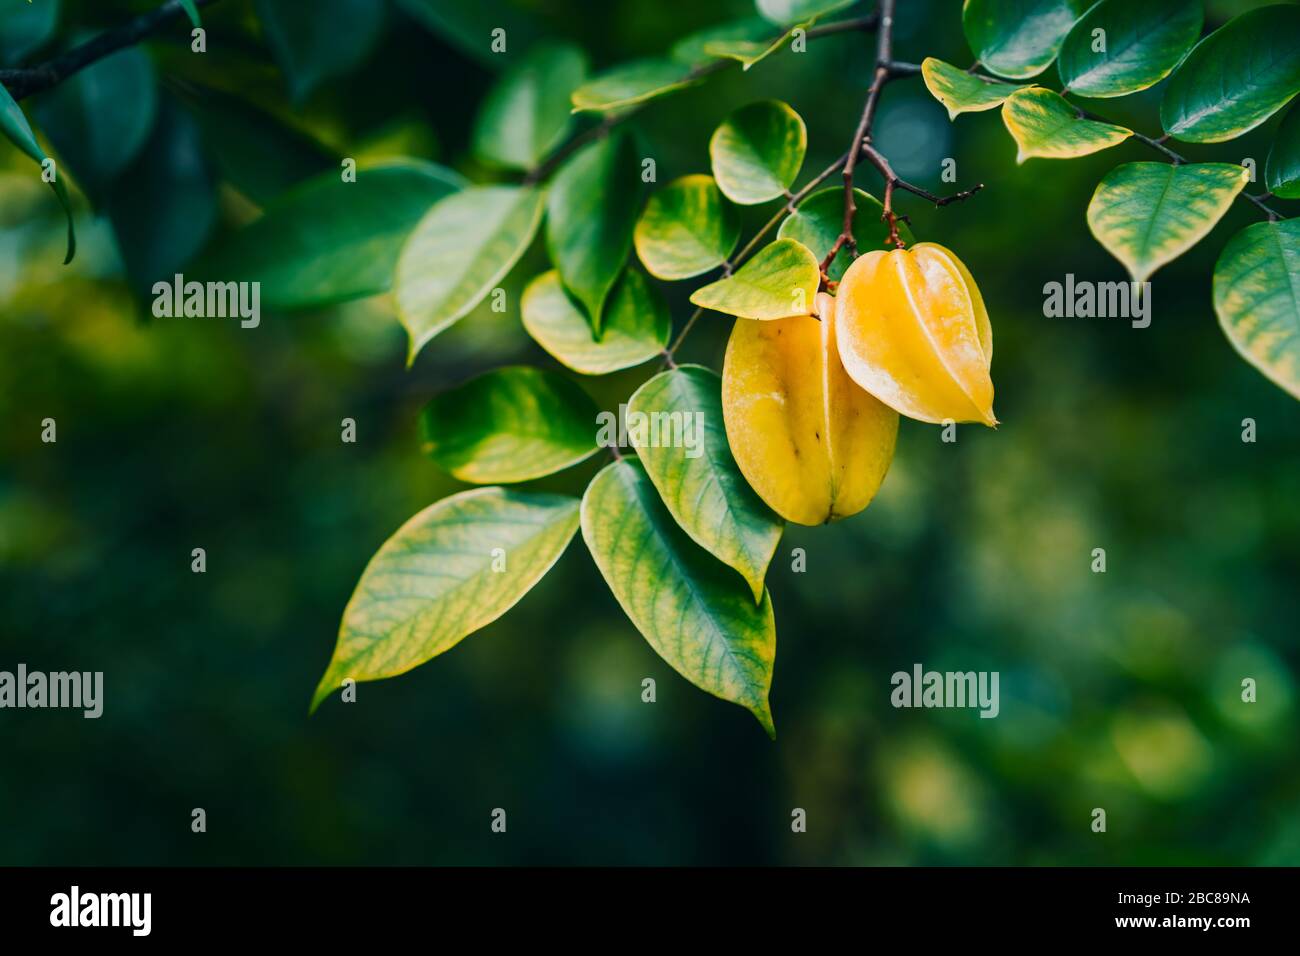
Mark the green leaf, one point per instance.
(1018, 38)
(780, 281)
(315, 41)
(459, 251)
(818, 219)
(1148, 214)
(693, 610)
(782, 12)
(637, 324)
(693, 50)
(749, 52)
(962, 92)
(526, 114)
(164, 206)
(17, 130)
(329, 241)
(260, 154)
(511, 424)
(630, 84)
(757, 152)
(590, 214)
(686, 229)
(25, 27)
(99, 118)
(1044, 124)
(469, 26)
(1282, 170)
(1257, 297)
(441, 577)
(1143, 43)
(1236, 78)
(683, 446)
(192, 12)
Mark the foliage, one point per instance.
(683, 530)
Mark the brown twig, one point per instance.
(552, 162)
(38, 79)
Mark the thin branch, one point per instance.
(555, 159)
(38, 79)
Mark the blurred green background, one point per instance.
(1119, 690)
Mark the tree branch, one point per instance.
(553, 161)
(38, 79)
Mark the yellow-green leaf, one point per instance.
(630, 84)
(1044, 124)
(637, 324)
(962, 92)
(688, 459)
(686, 229)
(459, 251)
(1257, 298)
(1148, 214)
(511, 424)
(695, 612)
(757, 151)
(455, 567)
(779, 281)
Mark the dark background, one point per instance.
(1118, 690)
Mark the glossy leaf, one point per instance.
(1257, 298)
(590, 214)
(757, 152)
(695, 612)
(25, 27)
(780, 280)
(749, 52)
(99, 118)
(784, 12)
(683, 446)
(1018, 38)
(818, 219)
(1143, 42)
(1236, 78)
(1282, 170)
(813, 444)
(315, 41)
(452, 569)
(1148, 214)
(259, 153)
(511, 424)
(686, 229)
(14, 125)
(329, 241)
(637, 324)
(630, 84)
(164, 207)
(1044, 124)
(962, 92)
(694, 49)
(458, 252)
(526, 114)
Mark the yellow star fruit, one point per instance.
(811, 443)
(913, 331)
